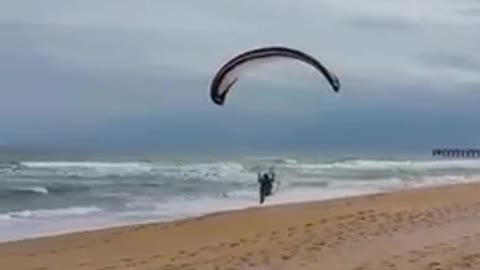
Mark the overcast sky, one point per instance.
(117, 74)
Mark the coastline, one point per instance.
(41, 199)
(417, 225)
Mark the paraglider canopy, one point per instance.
(230, 72)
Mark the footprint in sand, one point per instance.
(389, 264)
(128, 265)
(168, 266)
(412, 260)
(434, 266)
(84, 264)
(109, 267)
(396, 256)
(156, 256)
(245, 260)
(362, 267)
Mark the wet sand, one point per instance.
(429, 228)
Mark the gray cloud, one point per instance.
(468, 8)
(384, 23)
(474, 12)
(90, 69)
(454, 60)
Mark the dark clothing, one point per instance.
(266, 185)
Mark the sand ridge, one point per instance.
(428, 228)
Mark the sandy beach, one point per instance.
(427, 228)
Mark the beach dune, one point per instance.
(428, 228)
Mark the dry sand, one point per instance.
(430, 228)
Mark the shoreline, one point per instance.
(108, 195)
(226, 212)
(407, 229)
(253, 207)
(127, 225)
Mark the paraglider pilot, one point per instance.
(266, 184)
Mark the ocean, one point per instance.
(45, 198)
